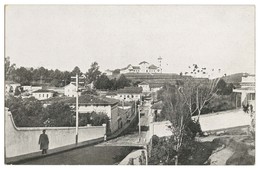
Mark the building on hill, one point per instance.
(247, 90)
(43, 94)
(102, 105)
(142, 67)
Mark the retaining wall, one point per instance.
(20, 141)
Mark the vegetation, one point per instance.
(31, 113)
(104, 83)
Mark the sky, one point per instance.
(65, 36)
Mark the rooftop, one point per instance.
(143, 62)
(43, 91)
(152, 67)
(92, 99)
(158, 105)
(131, 90)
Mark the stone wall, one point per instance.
(20, 141)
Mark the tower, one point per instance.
(160, 62)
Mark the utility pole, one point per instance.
(139, 124)
(77, 108)
(77, 105)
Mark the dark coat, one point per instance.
(44, 141)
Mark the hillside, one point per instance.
(234, 78)
(147, 76)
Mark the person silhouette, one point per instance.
(44, 142)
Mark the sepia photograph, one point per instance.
(129, 84)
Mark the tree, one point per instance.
(9, 69)
(122, 82)
(75, 71)
(17, 91)
(23, 76)
(93, 73)
(58, 114)
(177, 112)
(103, 83)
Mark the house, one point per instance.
(247, 91)
(42, 94)
(108, 72)
(129, 94)
(10, 86)
(108, 106)
(70, 90)
(157, 109)
(30, 89)
(142, 67)
(145, 86)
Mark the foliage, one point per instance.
(17, 91)
(75, 71)
(103, 82)
(58, 114)
(31, 113)
(122, 82)
(220, 103)
(116, 71)
(26, 113)
(93, 73)
(224, 88)
(9, 69)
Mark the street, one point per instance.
(92, 155)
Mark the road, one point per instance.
(106, 153)
(92, 155)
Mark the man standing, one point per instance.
(44, 142)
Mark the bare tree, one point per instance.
(176, 111)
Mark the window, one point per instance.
(251, 96)
(127, 96)
(42, 95)
(39, 95)
(47, 95)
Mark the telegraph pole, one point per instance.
(139, 125)
(77, 107)
(77, 104)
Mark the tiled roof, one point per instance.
(152, 67)
(143, 83)
(91, 99)
(143, 62)
(130, 90)
(111, 93)
(158, 105)
(136, 67)
(43, 91)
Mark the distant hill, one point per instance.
(234, 78)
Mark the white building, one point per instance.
(129, 94)
(70, 90)
(30, 89)
(11, 86)
(42, 94)
(143, 67)
(102, 105)
(145, 86)
(247, 91)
